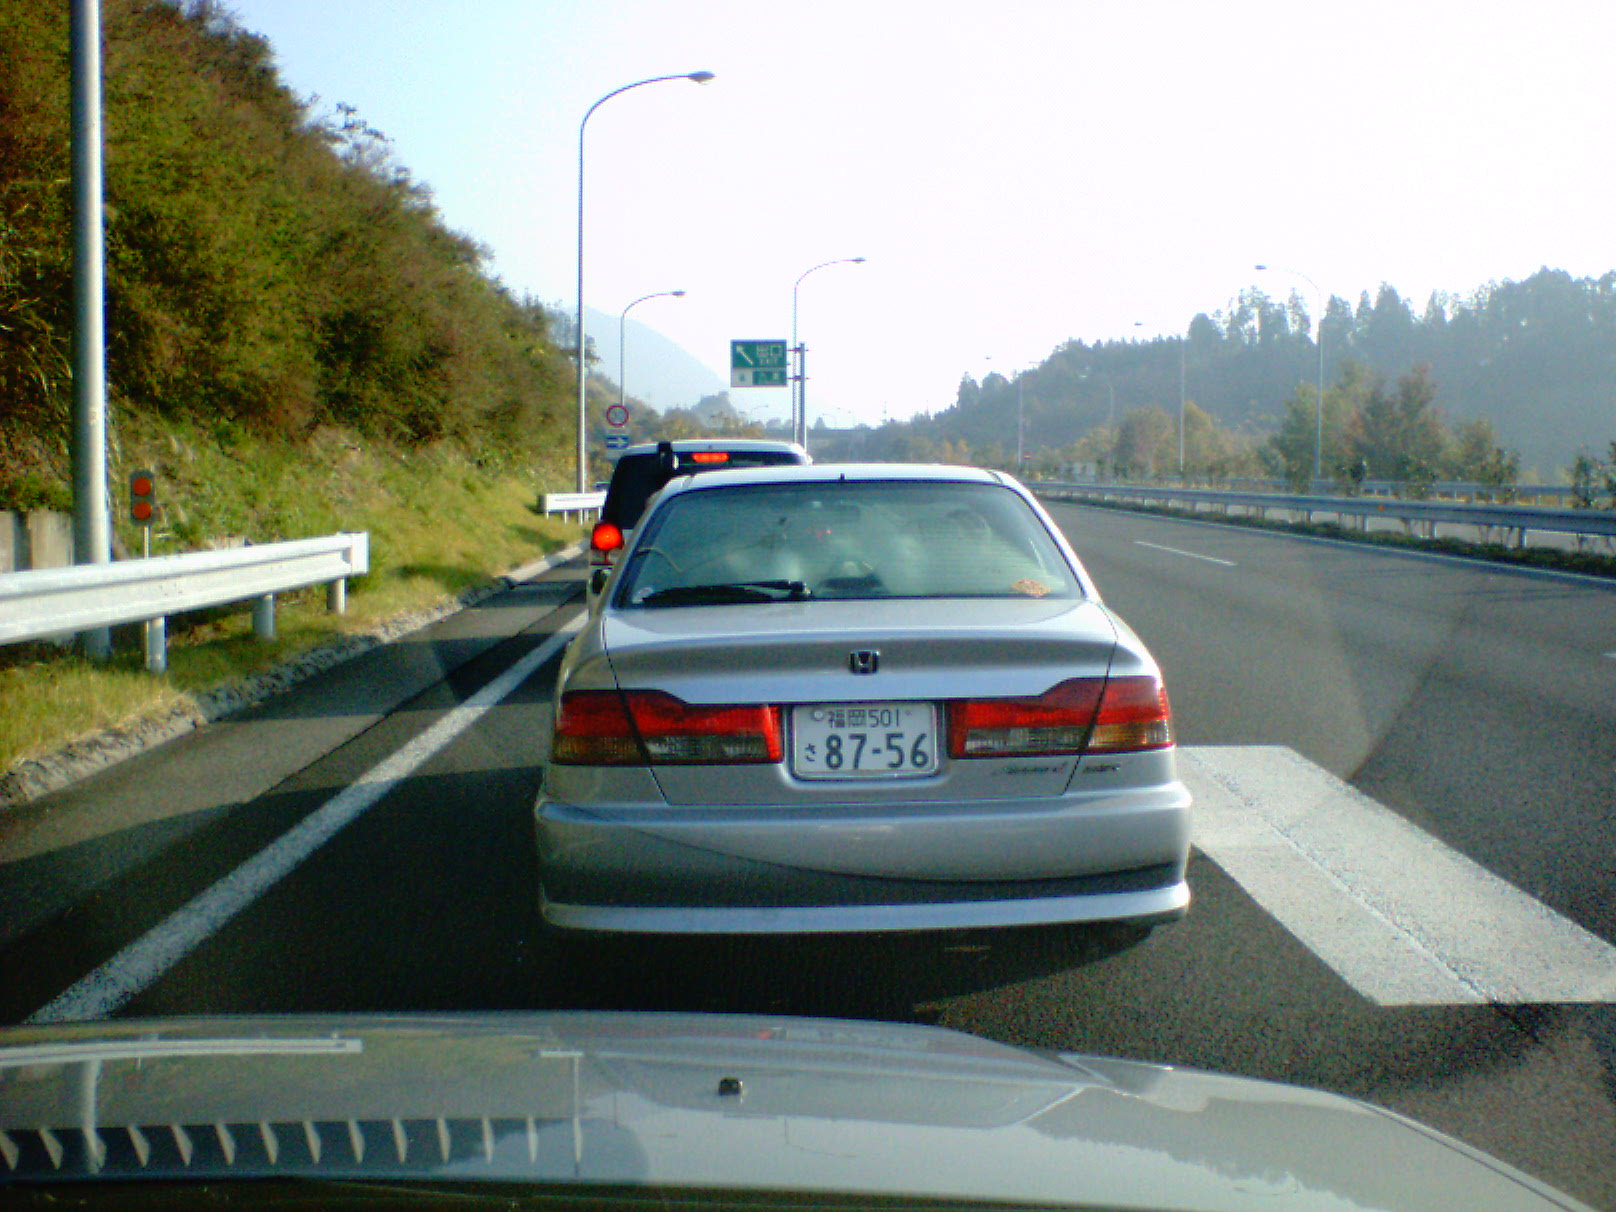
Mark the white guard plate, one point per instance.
(863, 740)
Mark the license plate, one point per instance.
(863, 740)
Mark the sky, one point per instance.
(1017, 174)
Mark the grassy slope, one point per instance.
(438, 525)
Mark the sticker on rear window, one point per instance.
(1033, 589)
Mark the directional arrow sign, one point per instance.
(616, 441)
(757, 363)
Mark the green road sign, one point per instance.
(757, 363)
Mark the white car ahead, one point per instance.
(856, 698)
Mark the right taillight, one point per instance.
(1080, 715)
(1054, 722)
(1134, 715)
(640, 727)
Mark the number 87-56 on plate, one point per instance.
(863, 740)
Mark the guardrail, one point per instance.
(52, 602)
(566, 503)
(1417, 516)
(1464, 490)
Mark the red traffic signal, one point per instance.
(142, 498)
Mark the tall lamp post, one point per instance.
(800, 407)
(1182, 407)
(583, 361)
(622, 338)
(1318, 435)
(92, 530)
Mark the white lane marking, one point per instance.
(145, 960)
(1403, 918)
(1192, 555)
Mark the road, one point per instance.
(1429, 927)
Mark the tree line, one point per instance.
(1535, 360)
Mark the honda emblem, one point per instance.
(864, 661)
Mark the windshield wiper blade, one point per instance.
(728, 592)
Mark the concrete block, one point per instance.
(13, 542)
(50, 539)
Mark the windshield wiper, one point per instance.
(728, 592)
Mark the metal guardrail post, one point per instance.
(154, 637)
(336, 597)
(263, 616)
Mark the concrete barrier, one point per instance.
(40, 538)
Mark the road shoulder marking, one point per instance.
(1402, 917)
(143, 962)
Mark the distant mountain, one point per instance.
(663, 374)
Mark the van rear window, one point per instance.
(638, 476)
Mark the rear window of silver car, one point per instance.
(839, 539)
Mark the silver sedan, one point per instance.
(857, 698)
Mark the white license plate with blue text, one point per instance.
(863, 740)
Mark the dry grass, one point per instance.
(438, 525)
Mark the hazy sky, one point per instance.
(1017, 173)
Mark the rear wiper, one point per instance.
(729, 592)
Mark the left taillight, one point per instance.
(593, 728)
(640, 727)
(1081, 715)
(604, 539)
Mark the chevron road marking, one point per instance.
(1403, 918)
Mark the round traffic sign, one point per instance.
(616, 416)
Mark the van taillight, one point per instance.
(640, 727)
(606, 538)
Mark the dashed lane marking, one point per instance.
(1192, 555)
(1402, 917)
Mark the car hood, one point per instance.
(669, 1100)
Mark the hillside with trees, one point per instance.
(1529, 366)
(268, 267)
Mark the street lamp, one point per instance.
(583, 362)
(800, 408)
(1182, 407)
(1318, 436)
(622, 338)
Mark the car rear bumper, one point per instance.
(601, 872)
(1159, 904)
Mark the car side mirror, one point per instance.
(597, 581)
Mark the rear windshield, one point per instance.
(637, 476)
(866, 539)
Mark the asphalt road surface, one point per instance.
(1406, 783)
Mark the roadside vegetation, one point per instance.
(439, 526)
(296, 345)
